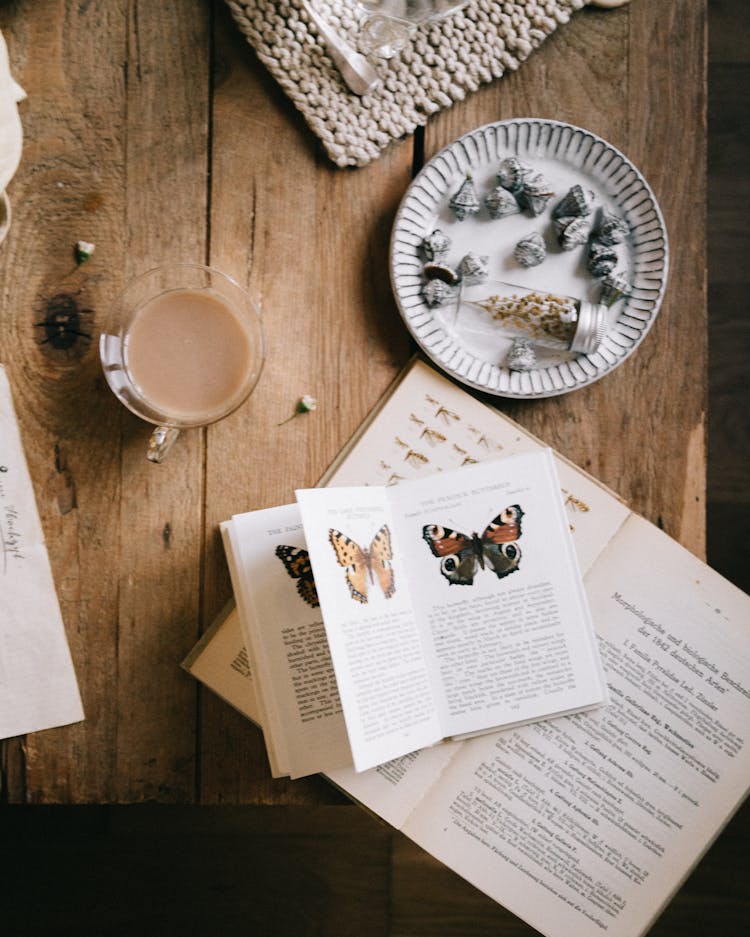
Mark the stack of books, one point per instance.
(419, 629)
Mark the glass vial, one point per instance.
(549, 320)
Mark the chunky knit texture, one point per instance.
(443, 63)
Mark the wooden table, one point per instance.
(152, 131)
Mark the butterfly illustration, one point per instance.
(297, 564)
(460, 555)
(359, 563)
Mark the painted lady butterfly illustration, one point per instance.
(359, 563)
(461, 555)
(297, 563)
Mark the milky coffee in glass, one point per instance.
(184, 348)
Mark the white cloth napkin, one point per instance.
(11, 136)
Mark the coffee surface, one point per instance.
(189, 355)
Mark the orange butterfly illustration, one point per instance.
(297, 564)
(360, 563)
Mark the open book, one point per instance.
(587, 824)
(435, 630)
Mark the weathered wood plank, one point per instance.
(666, 139)
(311, 242)
(115, 153)
(69, 186)
(640, 429)
(161, 512)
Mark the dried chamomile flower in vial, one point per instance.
(465, 202)
(571, 232)
(501, 202)
(436, 245)
(436, 293)
(473, 268)
(576, 203)
(548, 320)
(521, 356)
(530, 250)
(610, 228)
(437, 270)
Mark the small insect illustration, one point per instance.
(447, 414)
(468, 460)
(400, 442)
(484, 440)
(575, 503)
(462, 555)
(432, 436)
(416, 459)
(360, 564)
(394, 479)
(431, 399)
(415, 419)
(297, 564)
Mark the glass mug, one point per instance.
(182, 347)
(390, 24)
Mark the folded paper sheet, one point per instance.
(38, 688)
(443, 63)
(10, 124)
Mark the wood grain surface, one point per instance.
(152, 130)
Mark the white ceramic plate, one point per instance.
(469, 349)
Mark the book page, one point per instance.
(38, 688)
(427, 424)
(571, 824)
(220, 661)
(588, 824)
(373, 636)
(498, 594)
(394, 789)
(279, 610)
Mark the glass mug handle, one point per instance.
(161, 441)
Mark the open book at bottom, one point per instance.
(585, 824)
(426, 632)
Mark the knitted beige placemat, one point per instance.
(441, 64)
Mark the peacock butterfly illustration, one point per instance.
(462, 555)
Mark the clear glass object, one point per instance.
(547, 319)
(182, 347)
(390, 24)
